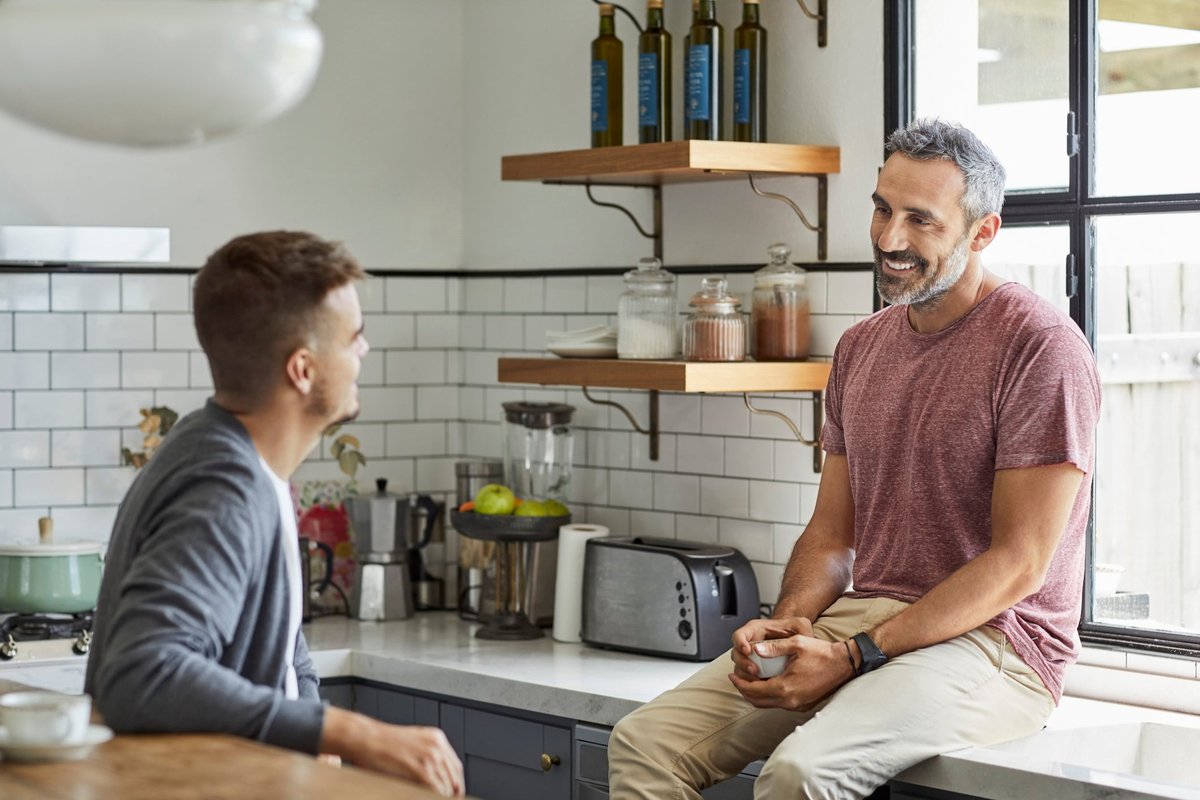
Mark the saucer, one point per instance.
(96, 734)
(583, 350)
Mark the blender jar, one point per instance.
(538, 448)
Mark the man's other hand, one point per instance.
(758, 630)
(419, 754)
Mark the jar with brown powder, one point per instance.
(779, 316)
(715, 329)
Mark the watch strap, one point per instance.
(872, 657)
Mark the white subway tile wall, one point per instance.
(80, 354)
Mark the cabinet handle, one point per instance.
(549, 761)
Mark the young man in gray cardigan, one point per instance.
(198, 621)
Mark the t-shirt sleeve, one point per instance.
(1049, 403)
(833, 440)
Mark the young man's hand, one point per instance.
(419, 754)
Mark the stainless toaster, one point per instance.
(665, 597)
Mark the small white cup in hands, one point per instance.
(45, 718)
(768, 666)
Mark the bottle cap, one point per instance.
(654, 3)
(606, 10)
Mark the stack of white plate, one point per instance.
(599, 341)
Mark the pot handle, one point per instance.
(433, 510)
(326, 579)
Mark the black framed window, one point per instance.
(1092, 106)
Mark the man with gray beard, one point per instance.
(933, 599)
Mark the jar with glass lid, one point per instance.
(646, 316)
(715, 329)
(779, 315)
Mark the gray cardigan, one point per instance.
(191, 623)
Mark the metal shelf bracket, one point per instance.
(818, 422)
(822, 226)
(651, 431)
(822, 17)
(657, 224)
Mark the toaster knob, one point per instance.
(685, 629)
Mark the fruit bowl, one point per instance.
(496, 527)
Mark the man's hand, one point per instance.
(419, 754)
(757, 630)
(816, 668)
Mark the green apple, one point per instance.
(531, 508)
(495, 500)
(555, 508)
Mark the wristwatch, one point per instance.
(872, 657)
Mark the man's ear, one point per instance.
(301, 370)
(989, 226)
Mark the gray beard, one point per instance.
(927, 294)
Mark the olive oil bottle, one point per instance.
(705, 100)
(750, 77)
(654, 77)
(687, 48)
(607, 77)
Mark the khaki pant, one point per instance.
(971, 690)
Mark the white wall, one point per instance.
(373, 156)
(527, 92)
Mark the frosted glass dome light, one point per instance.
(155, 72)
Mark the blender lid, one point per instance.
(538, 415)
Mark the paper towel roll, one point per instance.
(568, 579)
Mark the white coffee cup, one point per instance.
(768, 666)
(45, 718)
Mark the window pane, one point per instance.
(1147, 548)
(1148, 108)
(1001, 68)
(1034, 256)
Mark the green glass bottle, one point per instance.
(654, 77)
(705, 99)
(687, 48)
(607, 79)
(750, 77)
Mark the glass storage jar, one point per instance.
(646, 316)
(779, 315)
(715, 330)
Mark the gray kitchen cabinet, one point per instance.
(591, 760)
(338, 693)
(506, 755)
(509, 758)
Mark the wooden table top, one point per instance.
(211, 766)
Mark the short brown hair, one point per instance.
(257, 299)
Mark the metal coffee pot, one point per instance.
(388, 530)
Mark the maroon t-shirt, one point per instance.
(925, 420)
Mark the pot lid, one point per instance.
(55, 549)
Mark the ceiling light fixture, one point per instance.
(155, 73)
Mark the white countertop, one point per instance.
(1077, 757)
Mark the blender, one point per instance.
(538, 449)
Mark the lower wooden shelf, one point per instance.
(668, 376)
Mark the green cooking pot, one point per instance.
(58, 578)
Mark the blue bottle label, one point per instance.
(741, 86)
(648, 90)
(699, 83)
(599, 96)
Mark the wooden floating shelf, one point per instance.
(671, 162)
(669, 376)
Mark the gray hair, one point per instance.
(929, 139)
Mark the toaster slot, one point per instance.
(726, 590)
